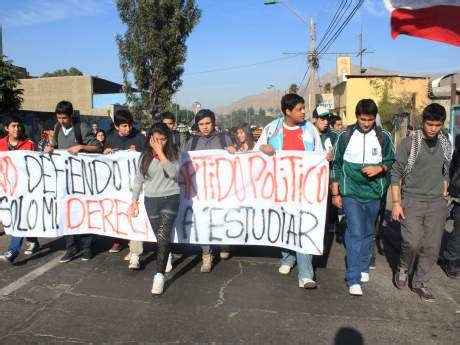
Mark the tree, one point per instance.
(72, 71)
(293, 88)
(153, 50)
(10, 93)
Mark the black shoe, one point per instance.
(68, 256)
(372, 263)
(452, 269)
(87, 255)
(400, 278)
(425, 293)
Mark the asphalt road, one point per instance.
(243, 300)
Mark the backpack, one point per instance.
(195, 139)
(76, 124)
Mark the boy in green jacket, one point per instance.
(363, 155)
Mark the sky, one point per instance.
(237, 49)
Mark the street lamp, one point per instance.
(289, 7)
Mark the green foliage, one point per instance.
(10, 93)
(293, 88)
(389, 104)
(248, 116)
(72, 71)
(152, 51)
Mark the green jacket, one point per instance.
(363, 149)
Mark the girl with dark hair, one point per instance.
(244, 138)
(100, 136)
(157, 177)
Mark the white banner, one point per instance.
(240, 199)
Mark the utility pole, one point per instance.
(312, 61)
(361, 51)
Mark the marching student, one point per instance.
(292, 132)
(157, 178)
(207, 138)
(74, 136)
(15, 140)
(363, 155)
(125, 137)
(421, 173)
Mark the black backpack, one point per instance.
(195, 139)
(454, 183)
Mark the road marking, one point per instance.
(24, 280)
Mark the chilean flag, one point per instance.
(437, 20)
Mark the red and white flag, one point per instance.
(437, 20)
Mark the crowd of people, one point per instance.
(421, 175)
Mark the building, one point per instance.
(89, 95)
(348, 92)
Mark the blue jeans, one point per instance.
(16, 243)
(304, 263)
(361, 218)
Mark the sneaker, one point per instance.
(68, 256)
(364, 277)
(8, 256)
(400, 278)
(116, 248)
(284, 269)
(31, 248)
(224, 255)
(372, 264)
(355, 290)
(307, 283)
(425, 293)
(206, 266)
(127, 257)
(134, 262)
(452, 269)
(169, 265)
(87, 255)
(158, 284)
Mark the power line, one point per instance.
(341, 28)
(332, 24)
(222, 69)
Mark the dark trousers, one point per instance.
(421, 231)
(452, 251)
(162, 213)
(76, 242)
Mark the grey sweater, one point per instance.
(425, 182)
(66, 141)
(161, 180)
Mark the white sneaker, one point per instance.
(31, 248)
(158, 284)
(127, 257)
(169, 265)
(307, 283)
(134, 262)
(355, 290)
(364, 277)
(284, 269)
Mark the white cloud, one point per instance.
(43, 11)
(375, 8)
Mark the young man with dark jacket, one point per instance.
(363, 155)
(126, 137)
(419, 180)
(208, 139)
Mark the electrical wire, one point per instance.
(230, 68)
